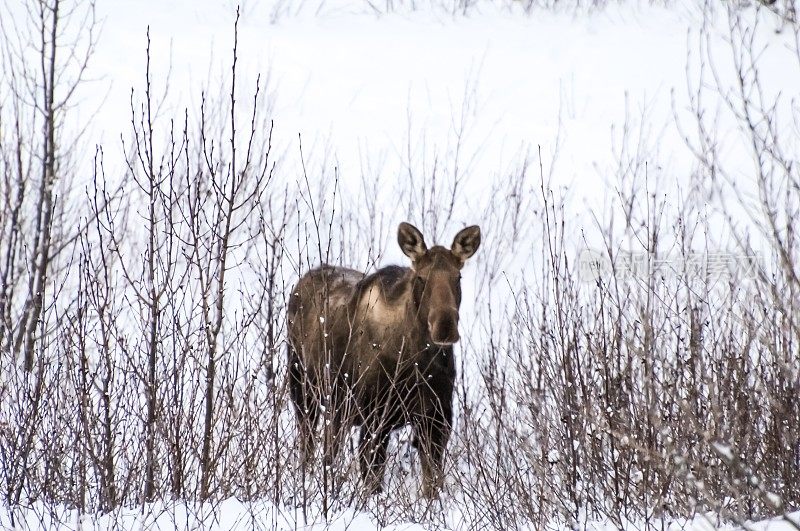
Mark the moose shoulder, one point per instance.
(376, 351)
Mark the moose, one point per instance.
(376, 352)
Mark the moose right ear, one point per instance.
(411, 241)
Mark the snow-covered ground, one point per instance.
(374, 94)
(232, 515)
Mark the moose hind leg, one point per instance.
(372, 458)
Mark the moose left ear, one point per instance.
(466, 243)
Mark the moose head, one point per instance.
(437, 278)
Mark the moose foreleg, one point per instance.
(306, 410)
(372, 457)
(432, 434)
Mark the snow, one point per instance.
(228, 514)
(360, 85)
(724, 450)
(233, 515)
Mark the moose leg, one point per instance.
(306, 409)
(333, 437)
(372, 457)
(337, 427)
(432, 434)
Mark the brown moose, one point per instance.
(376, 351)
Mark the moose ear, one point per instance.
(466, 243)
(411, 241)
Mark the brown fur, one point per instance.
(376, 351)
